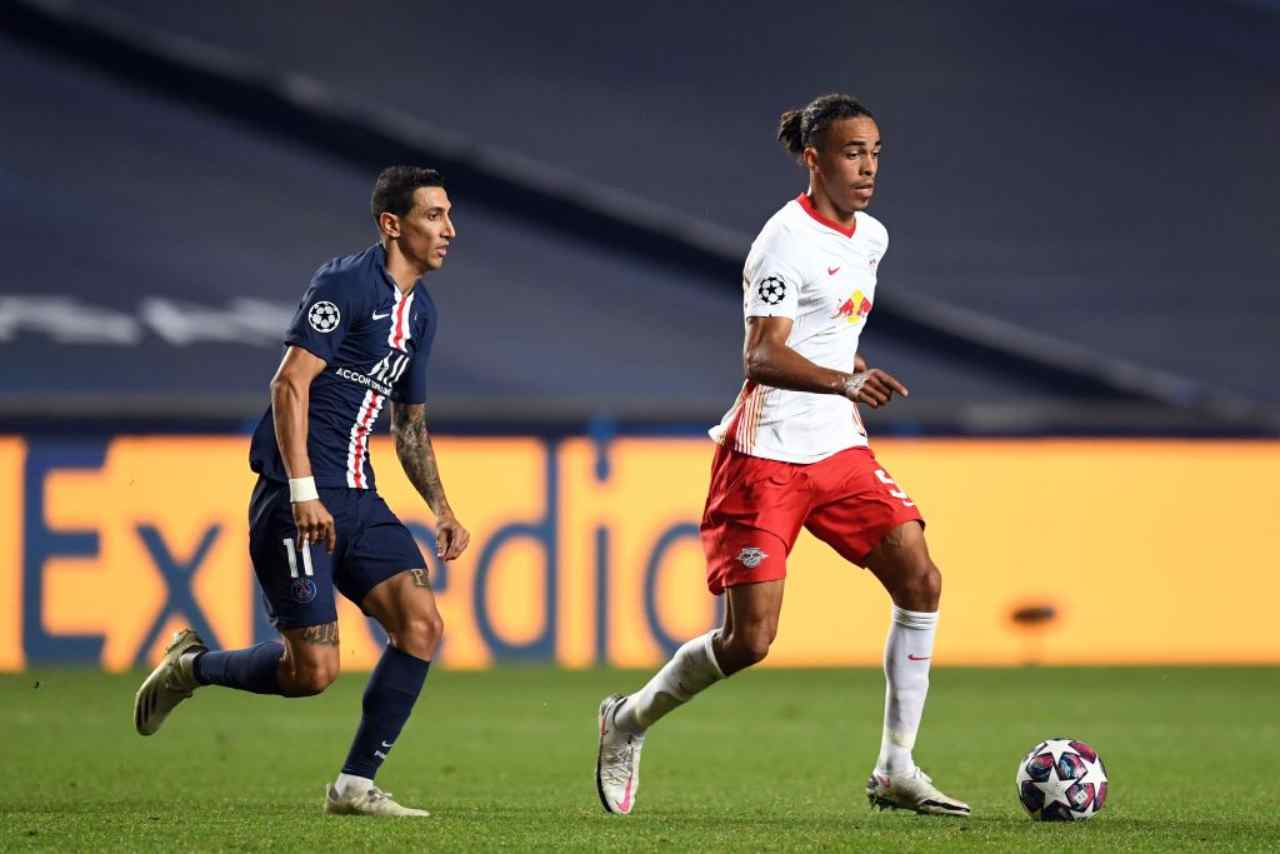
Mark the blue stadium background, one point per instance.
(1085, 238)
(1080, 197)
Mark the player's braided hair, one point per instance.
(798, 129)
(393, 191)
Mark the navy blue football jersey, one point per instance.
(375, 342)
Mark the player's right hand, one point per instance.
(315, 525)
(873, 387)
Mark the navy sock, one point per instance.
(254, 669)
(393, 687)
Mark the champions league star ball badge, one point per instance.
(324, 316)
(772, 290)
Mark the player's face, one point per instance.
(847, 162)
(426, 230)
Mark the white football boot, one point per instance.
(372, 801)
(617, 762)
(911, 791)
(173, 681)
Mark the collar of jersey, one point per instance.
(381, 254)
(807, 204)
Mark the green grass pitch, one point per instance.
(771, 760)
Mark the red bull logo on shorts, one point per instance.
(854, 309)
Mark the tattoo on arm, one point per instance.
(417, 457)
(326, 635)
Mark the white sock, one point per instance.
(692, 669)
(907, 655)
(350, 784)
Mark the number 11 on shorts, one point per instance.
(292, 554)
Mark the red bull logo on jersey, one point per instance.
(854, 309)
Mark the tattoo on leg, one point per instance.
(326, 635)
(420, 578)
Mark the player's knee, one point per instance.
(313, 678)
(750, 644)
(419, 635)
(756, 649)
(922, 587)
(315, 683)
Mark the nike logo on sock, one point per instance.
(917, 657)
(386, 745)
(831, 271)
(377, 316)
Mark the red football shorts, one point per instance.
(756, 507)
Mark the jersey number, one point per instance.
(292, 554)
(897, 493)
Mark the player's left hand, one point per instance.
(451, 538)
(873, 387)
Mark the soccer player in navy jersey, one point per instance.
(362, 336)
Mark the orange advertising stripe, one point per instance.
(586, 553)
(12, 656)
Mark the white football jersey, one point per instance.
(822, 276)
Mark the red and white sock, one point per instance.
(907, 655)
(692, 669)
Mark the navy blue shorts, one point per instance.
(298, 584)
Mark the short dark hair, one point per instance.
(393, 191)
(799, 129)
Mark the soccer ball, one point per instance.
(1062, 780)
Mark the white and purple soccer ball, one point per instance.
(1062, 779)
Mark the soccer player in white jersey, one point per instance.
(793, 452)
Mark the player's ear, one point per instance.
(389, 224)
(810, 157)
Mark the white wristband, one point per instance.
(303, 489)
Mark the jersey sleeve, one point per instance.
(771, 282)
(412, 385)
(328, 309)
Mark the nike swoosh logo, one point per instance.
(625, 803)
(377, 316)
(917, 658)
(387, 746)
(831, 271)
